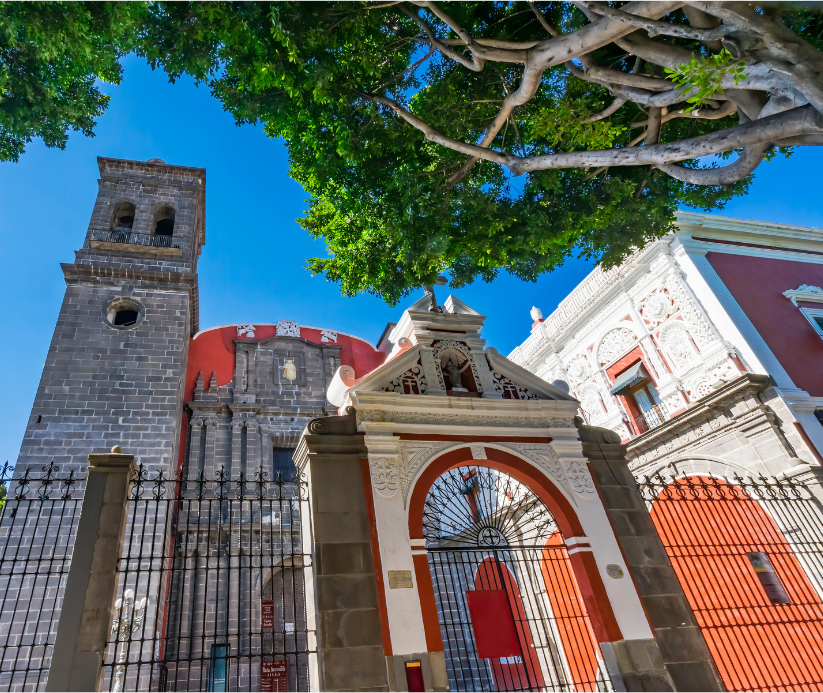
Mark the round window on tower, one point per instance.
(124, 313)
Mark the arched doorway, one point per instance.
(748, 555)
(510, 612)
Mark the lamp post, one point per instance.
(127, 620)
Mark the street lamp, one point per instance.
(126, 622)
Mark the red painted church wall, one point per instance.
(758, 285)
(214, 351)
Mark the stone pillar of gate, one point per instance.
(678, 657)
(399, 567)
(91, 586)
(347, 616)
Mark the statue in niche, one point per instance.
(453, 370)
(289, 370)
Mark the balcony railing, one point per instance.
(651, 418)
(129, 236)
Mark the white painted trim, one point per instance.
(798, 294)
(274, 324)
(578, 549)
(571, 541)
(752, 346)
(811, 313)
(791, 254)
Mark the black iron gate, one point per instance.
(749, 555)
(212, 586)
(511, 616)
(38, 521)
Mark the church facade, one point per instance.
(700, 352)
(306, 511)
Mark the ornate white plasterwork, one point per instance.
(656, 307)
(701, 330)
(245, 330)
(614, 344)
(431, 369)
(385, 474)
(676, 339)
(570, 474)
(328, 336)
(591, 402)
(478, 452)
(287, 328)
(412, 382)
(581, 480)
(805, 292)
(414, 456)
(504, 384)
(579, 369)
(434, 418)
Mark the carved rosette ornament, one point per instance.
(616, 343)
(287, 328)
(385, 474)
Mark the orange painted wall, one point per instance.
(757, 284)
(757, 645)
(572, 624)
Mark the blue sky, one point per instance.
(251, 269)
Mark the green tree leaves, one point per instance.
(51, 53)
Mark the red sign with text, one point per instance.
(267, 614)
(274, 676)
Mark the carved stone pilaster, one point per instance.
(432, 372)
(484, 371)
(385, 474)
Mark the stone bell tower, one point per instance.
(115, 369)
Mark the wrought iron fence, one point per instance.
(38, 522)
(213, 586)
(749, 555)
(133, 238)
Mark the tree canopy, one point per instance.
(459, 137)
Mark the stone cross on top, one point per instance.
(429, 291)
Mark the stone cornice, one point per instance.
(78, 272)
(385, 412)
(706, 408)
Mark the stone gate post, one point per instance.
(349, 635)
(678, 656)
(88, 601)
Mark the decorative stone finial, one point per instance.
(536, 313)
(116, 449)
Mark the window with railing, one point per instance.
(126, 235)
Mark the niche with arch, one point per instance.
(164, 221)
(123, 217)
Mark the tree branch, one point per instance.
(592, 72)
(597, 34)
(797, 122)
(606, 112)
(543, 21)
(727, 108)
(654, 27)
(799, 63)
(474, 64)
(479, 52)
(748, 161)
